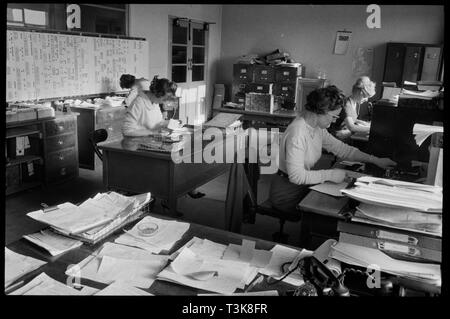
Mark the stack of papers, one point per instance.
(17, 265)
(211, 274)
(401, 218)
(44, 285)
(128, 265)
(154, 234)
(55, 244)
(365, 257)
(226, 121)
(280, 255)
(95, 218)
(422, 131)
(334, 189)
(426, 95)
(398, 194)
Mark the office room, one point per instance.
(231, 149)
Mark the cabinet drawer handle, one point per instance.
(61, 157)
(110, 128)
(60, 142)
(60, 128)
(63, 171)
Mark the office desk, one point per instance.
(57, 265)
(127, 168)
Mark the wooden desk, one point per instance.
(127, 168)
(57, 265)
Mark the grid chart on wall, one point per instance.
(51, 65)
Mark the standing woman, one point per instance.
(301, 148)
(144, 116)
(348, 122)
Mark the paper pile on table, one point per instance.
(122, 289)
(54, 243)
(128, 265)
(154, 234)
(43, 285)
(17, 265)
(398, 194)
(422, 131)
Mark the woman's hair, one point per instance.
(127, 81)
(323, 100)
(160, 87)
(363, 87)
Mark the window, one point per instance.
(97, 18)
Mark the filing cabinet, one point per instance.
(243, 72)
(286, 90)
(263, 74)
(89, 120)
(60, 149)
(266, 88)
(288, 74)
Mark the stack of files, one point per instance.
(206, 273)
(118, 288)
(228, 122)
(154, 234)
(398, 194)
(43, 285)
(400, 218)
(95, 218)
(247, 59)
(422, 131)
(281, 255)
(398, 243)
(425, 95)
(17, 265)
(54, 243)
(125, 264)
(429, 85)
(334, 189)
(365, 257)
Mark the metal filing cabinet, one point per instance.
(263, 74)
(60, 149)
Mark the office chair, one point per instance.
(267, 209)
(98, 136)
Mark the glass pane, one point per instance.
(178, 54)
(198, 55)
(197, 73)
(179, 73)
(179, 35)
(198, 37)
(102, 20)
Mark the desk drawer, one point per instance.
(61, 165)
(59, 142)
(62, 126)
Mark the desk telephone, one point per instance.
(323, 275)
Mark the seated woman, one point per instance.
(348, 122)
(301, 147)
(128, 81)
(144, 117)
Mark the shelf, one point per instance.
(21, 131)
(23, 159)
(21, 187)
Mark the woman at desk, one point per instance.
(301, 148)
(348, 122)
(128, 81)
(144, 117)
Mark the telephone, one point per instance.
(322, 273)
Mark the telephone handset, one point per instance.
(322, 272)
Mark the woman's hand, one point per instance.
(384, 162)
(336, 176)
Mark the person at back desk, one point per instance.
(144, 117)
(348, 122)
(301, 147)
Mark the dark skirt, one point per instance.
(285, 195)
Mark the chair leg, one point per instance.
(279, 236)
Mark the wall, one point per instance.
(308, 33)
(151, 21)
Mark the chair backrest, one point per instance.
(98, 136)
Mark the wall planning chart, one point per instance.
(50, 65)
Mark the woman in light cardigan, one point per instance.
(301, 148)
